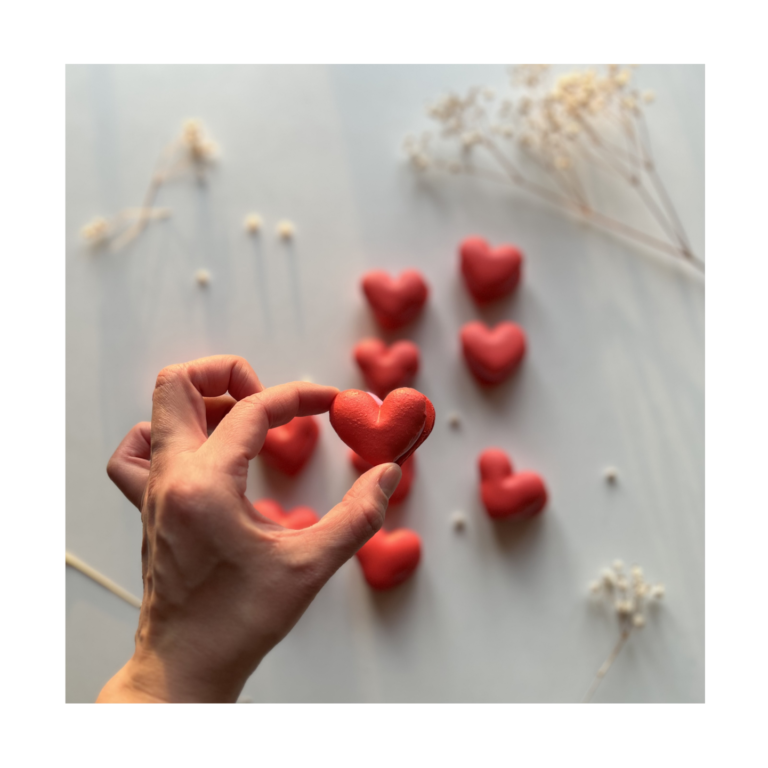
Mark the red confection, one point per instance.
(504, 494)
(289, 448)
(383, 431)
(296, 519)
(489, 273)
(492, 354)
(404, 487)
(388, 559)
(387, 368)
(395, 301)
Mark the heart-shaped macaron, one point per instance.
(388, 559)
(395, 301)
(492, 353)
(289, 448)
(504, 494)
(403, 488)
(382, 431)
(386, 368)
(295, 519)
(489, 273)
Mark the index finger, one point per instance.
(240, 435)
(178, 408)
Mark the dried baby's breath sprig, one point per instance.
(192, 149)
(550, 138)
(101, 230)
(285, 229)
(252, 223)
(628, 596)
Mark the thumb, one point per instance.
(359, 515)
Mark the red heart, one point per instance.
(518, 496)
(295, 519)
(383, 431)
(489, 273)
(388, 559)
(387, 368)
(492, 354)
(289, 448)
(395, 301)
(404, 487)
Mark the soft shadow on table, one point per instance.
(390, 604)
(514, 535)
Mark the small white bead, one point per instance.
(285, 229)
(611, 474)
(252, 223)
(454, 420)
(459, 521)
(657, 592)
(203, 277)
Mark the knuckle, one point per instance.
(181, 495)
(169, 374)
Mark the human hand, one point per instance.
(222, 584)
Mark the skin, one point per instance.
(222, 584)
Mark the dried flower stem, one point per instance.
(607, 665)
(75, 562)
(584, 119)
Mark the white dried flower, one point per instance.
(96, 231)
(203, 277)
(609, 580)
(638, 620)
(657, 591)
(285, 229)
(622, 583)
(618, 565)
(637, 572)
(458, 521)
(649, 97)
(611, 474)
(595, 587)
(252, 223)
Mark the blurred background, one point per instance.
(614, 376)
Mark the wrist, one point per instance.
(147, 679)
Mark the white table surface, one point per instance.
(614, 376)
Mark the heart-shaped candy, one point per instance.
(492, 353)
(504, 494)
(382, 431)
(395, 301)
(403, 488)
(388, 559)
(289, 448)
(489, 273)
(387, 368)
(295, 519)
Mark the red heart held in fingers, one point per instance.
(504, 494)
(492, 353)
(289, 448)
(395, 301)
(386, 368)
(403, 488)
(295, 519)
(382, 431)
(489, 273)
(388, 559)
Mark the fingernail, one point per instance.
(389, 479)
